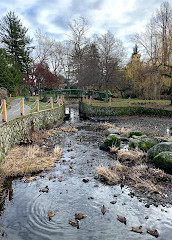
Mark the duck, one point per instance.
(153, 232)
(80, 216)
(103, 209)
(122, 219)
(74, 223)
(51, 177)
(60, 179)
(137, 229)
(51, 214)
(42, 175)
(113, 202)
(45, 189)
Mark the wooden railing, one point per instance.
(60, 100)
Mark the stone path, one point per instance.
(15, 110)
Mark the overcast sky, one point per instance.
(122, 17)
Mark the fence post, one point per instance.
(58, 100)
(22, 106)
(37, 104)
(129, 101)
(83, 98)
(90, 99)
(61, 99)
(110, 101)
(51, 102)
(4, 111)
(86, 98)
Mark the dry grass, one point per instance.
(137, 176)
(130, 156)
(107, 125)
(112, 174)
(125, 130)
(69, 129)
(122, 130)
(114, 149)
(108, 174)
(21, 161)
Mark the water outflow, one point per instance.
(26, 215)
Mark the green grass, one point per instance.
(119, 102)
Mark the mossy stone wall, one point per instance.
(101, 111)
(15, 130)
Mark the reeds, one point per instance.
(22, 160)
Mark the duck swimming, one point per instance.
(137, 229)
(103, 209)
(80, 216)
(122, 219)
(153, 232)
(74, 223)
(45, 189)
(51, 214)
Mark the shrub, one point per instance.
(113, 141)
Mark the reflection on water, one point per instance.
(26, 214)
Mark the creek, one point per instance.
(25, 214)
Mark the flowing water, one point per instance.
(25, 215)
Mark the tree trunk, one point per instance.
(171, 92)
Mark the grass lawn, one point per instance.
(120, 102)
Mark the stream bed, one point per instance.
(25, 214)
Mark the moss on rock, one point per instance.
(158, 148)
(137, 133)
(142, 142)
(164, 161)
(113, 141)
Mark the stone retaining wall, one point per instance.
(15, 130)
(99, 111)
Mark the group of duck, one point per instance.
(80, 215)
(138, 229)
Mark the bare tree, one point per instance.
(66, 61)
(78, 39)
(43, 48)
(111, 53)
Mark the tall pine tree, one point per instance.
(16, 42)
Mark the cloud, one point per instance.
(123, 18)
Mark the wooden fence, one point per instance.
(60, 101)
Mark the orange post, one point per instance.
(37, 104)
(58, 100)
(129, 101)
(4, 111)
(22, 106)
(90, 99)
(51, 102)
(61, 99)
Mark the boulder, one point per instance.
(142, 142)
(160, 147)
(164, 161)
(104, 147)
(112, 131)
(133, 143)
